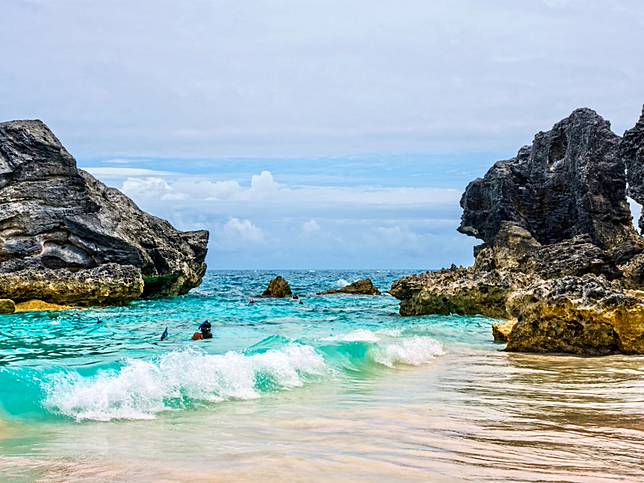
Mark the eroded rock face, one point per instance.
(582, 315)
(360, 287)
(278, 288)
(463, 291)
(631, 150)
(560, 254)
(59, 221)
(570, 181)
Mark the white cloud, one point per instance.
(242, 230)
(151, 189)
(310, 226)
(263, 185)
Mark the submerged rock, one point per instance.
(360, 287)
(278, 288)
(560, 254)
(65, 237)
(7, 306)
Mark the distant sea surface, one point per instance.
(336, 387)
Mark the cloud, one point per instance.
(151, 189)
(318, 77)
(310, 226)
(261, 222)
(243, 230)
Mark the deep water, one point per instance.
(335, 385)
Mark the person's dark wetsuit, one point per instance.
(205, 332)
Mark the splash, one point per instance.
(141, 389)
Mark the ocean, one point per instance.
(335, 387)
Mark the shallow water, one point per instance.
(336, 387)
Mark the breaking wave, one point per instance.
(182, 379)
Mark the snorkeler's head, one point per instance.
(206, 330)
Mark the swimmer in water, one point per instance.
(205, 332)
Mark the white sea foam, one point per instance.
(360, 335)
(141, 389)
(341, 283)
(364, 335)
(412, 351)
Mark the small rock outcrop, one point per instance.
(360, 287)
(67, 238)
(560, 256)
(7, 306)
(278, 288)
(501, 331)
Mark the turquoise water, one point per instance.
(333, 387)
(104, 364)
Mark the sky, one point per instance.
(314, 133)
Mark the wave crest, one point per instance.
(141, 389)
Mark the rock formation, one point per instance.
(278, 288)
(631, 150)
(560, 255)
(67, 238)
(360, 287)
(7, 306)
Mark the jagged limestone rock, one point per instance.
(560, 253)
(570, 181)
(56, 219)
(631, 150)
(582, 315)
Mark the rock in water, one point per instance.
(560, 254)
(361, 287)
(582, 315)
(67, 238)
(278, 288)
(7, 306)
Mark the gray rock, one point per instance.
(631, 150)
(59, 220)
(570, 181)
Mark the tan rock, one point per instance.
(109, 284)
(40, 306)
(7, 306)
(581, 315)
(501, 331)
(278, 288)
